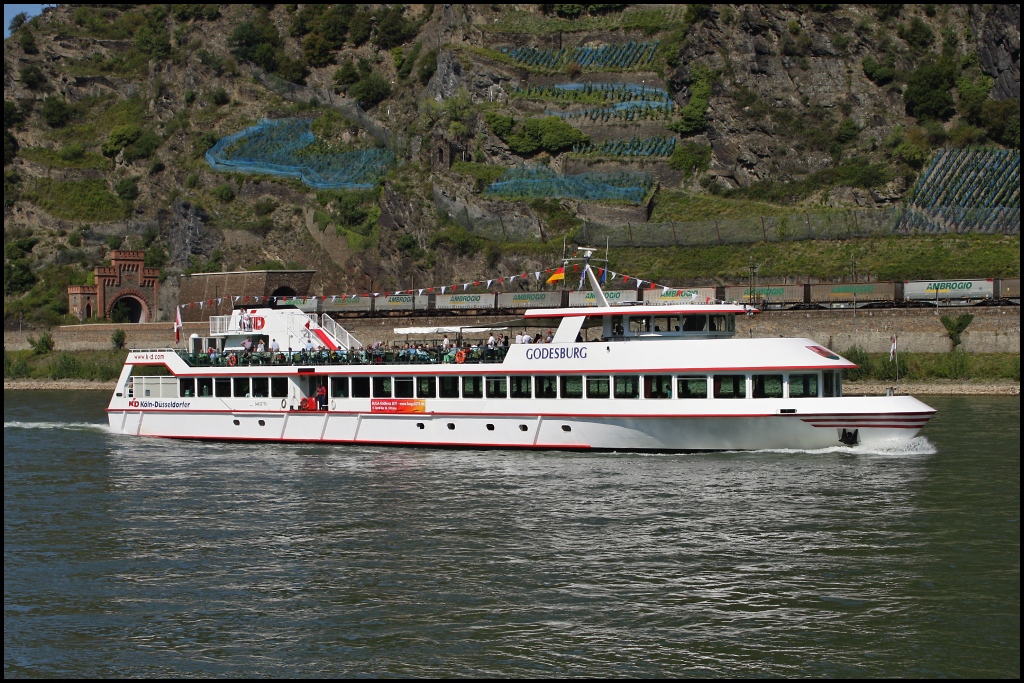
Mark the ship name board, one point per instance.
(555, 352)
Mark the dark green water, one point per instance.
(135, 557)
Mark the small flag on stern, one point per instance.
(892, 349)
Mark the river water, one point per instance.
(143, 557)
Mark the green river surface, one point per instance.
(129, 556)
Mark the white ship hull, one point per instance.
(869, 420)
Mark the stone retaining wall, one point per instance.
(994, 329)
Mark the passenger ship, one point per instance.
(629, 378)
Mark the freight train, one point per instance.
(916, 293)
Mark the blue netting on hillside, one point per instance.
(620, 56)
(275, 148)
(967, 190)
(622, 101)
(541, 181)
(634, 147)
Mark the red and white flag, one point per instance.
(892, 349)
(177, 325)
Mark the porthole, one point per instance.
(490, 428)
(523, 428)
(566, 428)
(236, 422)
(419, 425)
(451, 425)
(263, 423)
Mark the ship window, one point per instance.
(187, 386)
(616, 325)
(638, 324)
(339, 387)
(279, 387)
(449, 387)
(666, 323)
(598, 387)
(260, 387)
(718, 323)
(730, 386)
(360, 387)
(803, 386)
(627, 386)
(658, 386)
(403, 387)
(490, 427)
(205, 386)
(523, 428)
(830, 385)
(519, 386)
(497, 387)
(382, 387)
(241, 385)
(572, 386)
(223, 387)
(472, 387)
(426, 387)
(695, 323)
(692, 387)
(546, 386)
(767, 386)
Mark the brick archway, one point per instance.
(136, 296)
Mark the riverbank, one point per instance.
(937, 387)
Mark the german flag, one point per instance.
(559, 274)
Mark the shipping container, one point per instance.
(772, 295)
(685, 295)
(530, 300)
(854, 293)
(347, 304)
(948, 290)
(613, 296)
(1009, 288)
(483, 301)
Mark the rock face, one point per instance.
(183, 227)
(997, 28)
(483, 84)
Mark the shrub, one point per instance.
(879, 73)
(32, 77)
(55, 111)
(928, 94)
(143, 147)
(192, 180)
(264, 206)
(346, 74)
(316, 51)
(117, 339)
(43, 345)
(224, 193)
(28, 42)
(370, 90)
(360, 27)
(956, 326)
(114, 242)
(550, 134)
(262, 227)
(10, 147)
(499, 125)
(917, 34)
(119, 137)
(428, 65)
(393, 28)
(219, 97)
(156, 167)
(127, 189)
(848, 131)
(1002, 120)
(693, 117)
(691, 158)
(18, 276)
(72, 152)
(16, 21)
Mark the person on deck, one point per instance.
(321, 397)
(274, 346)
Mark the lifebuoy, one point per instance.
(460, 356)
(232, 361)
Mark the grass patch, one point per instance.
(52, 158)
(85, 200)
(93, 365)
(914, 257)
(925, 366)
(677, 205)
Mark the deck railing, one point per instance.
(362, 357)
